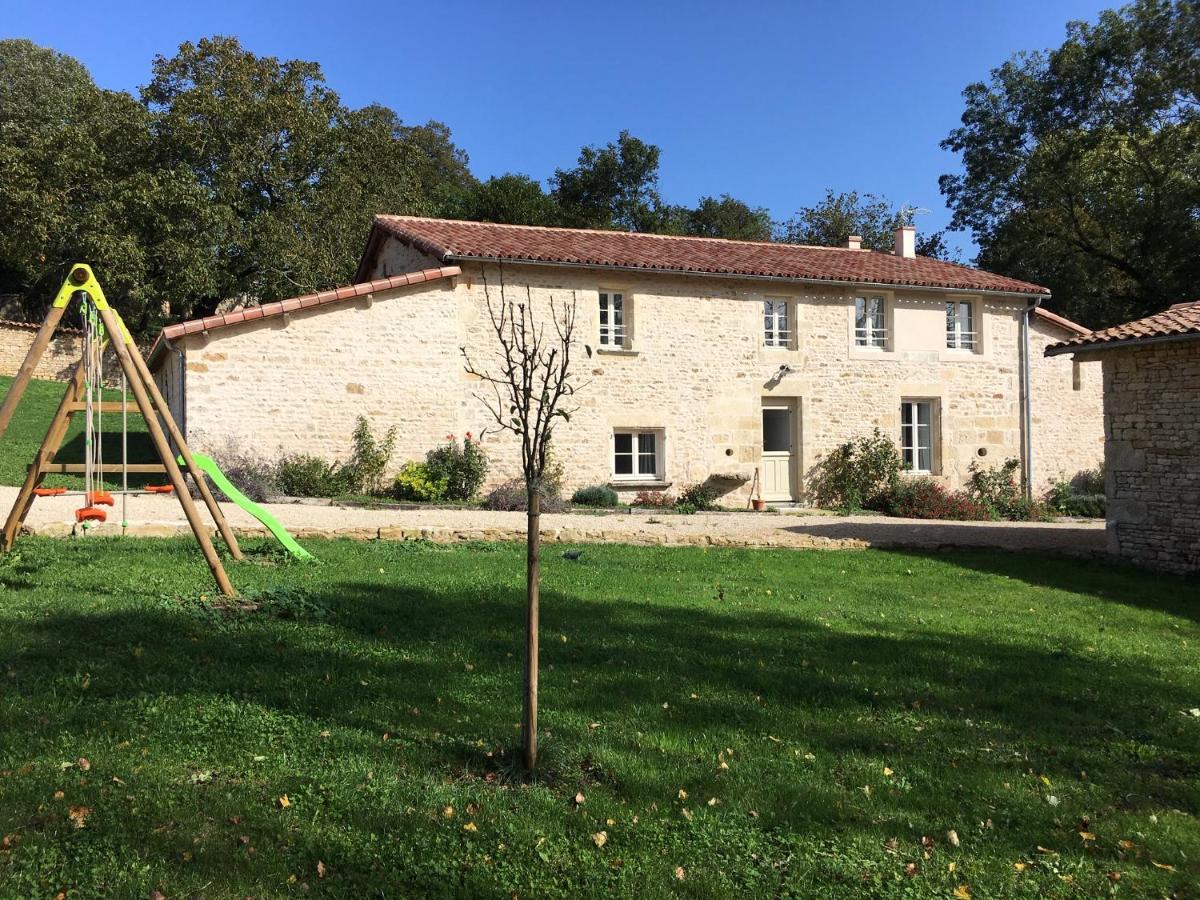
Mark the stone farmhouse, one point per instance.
(704, 359)
(1152, 434)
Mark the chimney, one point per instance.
(906, 241)
(854, 242)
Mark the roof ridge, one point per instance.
(648, 234)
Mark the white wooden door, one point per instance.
(778, 453)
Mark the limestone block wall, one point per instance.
(695, 368)
(1152, 451)
(60, 358)
(1068, 410)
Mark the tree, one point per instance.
(870, 216)
(615, 186)
(725, 217)
(1081, 165)
(81, 179)
(511, 199)
(529, 383)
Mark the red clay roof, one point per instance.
(1061, 321)
(1180, 322)
(279, 307)
(450, 240)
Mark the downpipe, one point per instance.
(1026, 400)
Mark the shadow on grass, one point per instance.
(887, 533)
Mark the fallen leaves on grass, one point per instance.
(600, 838)
(580, 799)
(284, 802)
(962, 892)
(680, 873)
(952, 837)
(471, 827)
(320, 869)
(78, 815)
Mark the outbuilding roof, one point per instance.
(450, 240)
(1179, 322)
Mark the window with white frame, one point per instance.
(776, 325)
(638, 455)
(870, 321)
(612, 319)
(916, 434)
(960, 325)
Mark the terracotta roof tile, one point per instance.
(308, 301)
(1179, 322)
(450, 240)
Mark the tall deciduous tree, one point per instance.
(615, 186)
(723, 217)
(527, 387)
(870, 216)
(1081, 165)
(509, 199)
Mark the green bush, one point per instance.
(859, 474)
(1078, 496)
(462, 466)
(416, 482)
(1084, 506)
(654, 499)
(596, 495)
(363, 473)
(1088, 482)
(511, 496)
(697, 498)
(998, 490)
(305, 475)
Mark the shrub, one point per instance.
(654, 499)
(511, 497)
(923, 498)
(997, 489)
(369, 459)
(462, 466)
(1078, 496)
(1085, 506)
(1089, 482)
(698, 497)
(250, 474)
(859, 474)
(416, 482)
(304, 475)
(596, 495)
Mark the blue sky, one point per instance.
(771, 102)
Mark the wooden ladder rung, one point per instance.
(106, 469)
(108, 407)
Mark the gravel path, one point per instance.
(156, 516)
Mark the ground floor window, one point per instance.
(916, 434)
(638, 454)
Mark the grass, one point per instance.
(715, 723)
(28, 428)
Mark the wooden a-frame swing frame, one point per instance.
(150, 403)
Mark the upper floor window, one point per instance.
(870, 322)
(637, 454)
(916, 434)
(612, 319)
(776, 327)
(960, 325)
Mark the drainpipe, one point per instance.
(1027, 400)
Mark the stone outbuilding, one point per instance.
(1151, 434)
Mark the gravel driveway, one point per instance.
(156, 516)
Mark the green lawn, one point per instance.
(731, 722)
(28, 428)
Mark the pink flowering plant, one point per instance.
(462, 465)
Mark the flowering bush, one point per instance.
(924, 498)
(859, 474)
(1001, 494)
(463, 467)
(654, 499)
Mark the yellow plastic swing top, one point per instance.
(82, 278)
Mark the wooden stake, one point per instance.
(21, 380)
(133, 377)
(177, 436)
(55, 433)
(533, 561)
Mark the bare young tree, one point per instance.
(528, 385)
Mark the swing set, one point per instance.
(103, 330)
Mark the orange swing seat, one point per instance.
(158, 488)
(49, 492)
(100, 498)
(90, 514)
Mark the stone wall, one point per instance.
(1068, 403)
(1152, 451)
(695, 368)
(62, 354)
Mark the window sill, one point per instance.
(645, 484)
(617, 351)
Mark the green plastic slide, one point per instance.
(272, 524)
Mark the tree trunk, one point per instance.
(533, 540)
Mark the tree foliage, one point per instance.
(1081, 165)
(870, 216)
(615, 186)
(723, 217)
